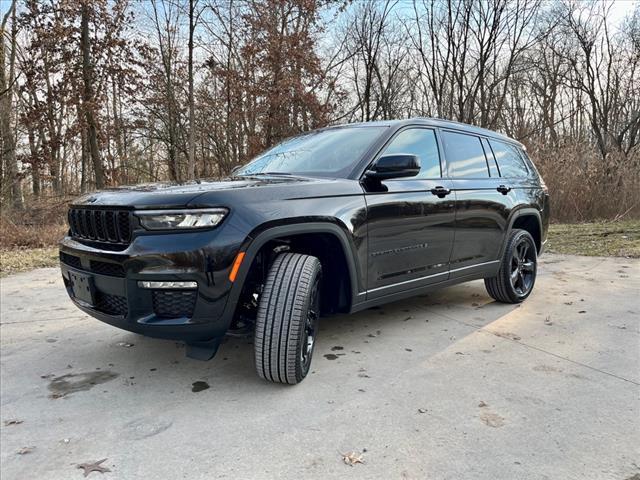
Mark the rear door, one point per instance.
(482, 204)
(410, 229)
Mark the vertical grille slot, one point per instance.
(101, 225)
(112, 232)
(99, 222)
(124, 226)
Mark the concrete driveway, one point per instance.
(445, 386)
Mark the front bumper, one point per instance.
(192, 315)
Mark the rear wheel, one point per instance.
(287, 318)
(518, 269)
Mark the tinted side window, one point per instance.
(465, 156)
(422, 143)
(509, 160)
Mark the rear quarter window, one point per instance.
(509, 159)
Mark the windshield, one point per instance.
(332, 152)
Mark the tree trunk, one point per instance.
(35, 166)
(88, 100)
(9, 159)
(191, 161)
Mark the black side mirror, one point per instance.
(397, 165)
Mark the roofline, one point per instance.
(434, 122)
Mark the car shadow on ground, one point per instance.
(422, 326)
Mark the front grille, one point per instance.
(100, 225)
(174, 303)
(70, 260)
(111, 304)
(105, 268)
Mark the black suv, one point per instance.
(332, 221)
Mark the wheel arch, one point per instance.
(528, 219)
(296, 234)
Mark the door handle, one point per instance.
(503, 189)
(440, 191)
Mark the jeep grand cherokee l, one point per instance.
(331, 221)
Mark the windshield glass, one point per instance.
(332, 152)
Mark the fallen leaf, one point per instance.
(12, 422)
(25, 450)
(93, 467)
(352, 458)
(492, 420)
(422, 410)
(482, 404)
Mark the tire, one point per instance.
(287, 318)
(518, 268)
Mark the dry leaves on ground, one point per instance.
(93, 467)
(492, 420)
(352, 458)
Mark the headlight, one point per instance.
(181, 219)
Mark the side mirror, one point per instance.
(397, 165)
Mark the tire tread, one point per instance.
(280, 317)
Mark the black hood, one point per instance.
(204, 193)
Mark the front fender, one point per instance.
(265, 233)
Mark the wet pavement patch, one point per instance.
(199, 386)
(78, 382)
(330, 356)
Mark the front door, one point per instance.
(410, 221)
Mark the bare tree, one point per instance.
(88, 99)
(8, 162)
(604, 67)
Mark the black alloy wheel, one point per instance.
(518, 268)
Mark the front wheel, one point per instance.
(287, 318)
(518, 269)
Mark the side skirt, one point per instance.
(485, 272)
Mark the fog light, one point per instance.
(168, 284)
